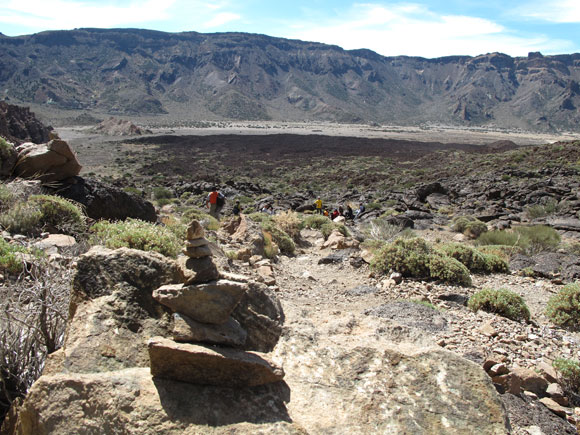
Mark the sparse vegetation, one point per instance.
(564, 307)
(473, 259)
(136, 234)
(448, 269)
(469, 226)
(569, 371)
(531, 239)
(502, 302)
(11, 257)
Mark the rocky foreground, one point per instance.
(306, 344)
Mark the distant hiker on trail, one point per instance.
(326, 213)
(359, 211)
(215, 201)
(348, 214)
(237, 209)
(318, 204)
(334, 214)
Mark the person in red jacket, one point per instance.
(215, 201)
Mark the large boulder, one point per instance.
(49, 162)
(106, 202)
(112, 312)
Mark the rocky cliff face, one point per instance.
(244, 76)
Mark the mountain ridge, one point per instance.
(242, 76)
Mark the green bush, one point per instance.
(448, 269)
(473, 259)
(410, 257)
(6, 149)
(44, 213)
(469, 226)
(162, 193)
(532, 239)
(11, 257)
(569, 375)
(315, 221)
(503, 302)
(564, 307)
(329, 227)
(542, 210)
(280, 237)
(136, 234)
(7, 198)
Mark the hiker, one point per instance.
(334, 214)
(318, 204)
(348, 214)
(237, 209)
(215, 201)
(359, 211)
(326, 213)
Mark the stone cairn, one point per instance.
(206, 344)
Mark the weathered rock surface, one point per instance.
(197, 270)
(52, 161)
(106, 202)
(112, 310)
(211, 302)
(411, 314)
(130, 401)
(18, 125)
(189, 331)
(218, 366)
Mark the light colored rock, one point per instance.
(234, 277)
(488, 330)
(187, 330)
(339, 219)
(510, 382)
(196, 270)
(211, 302)
(554, 407)
(397, 277)
(531, 381)
(548, 372)
(55, 241)
(498, 370)
(336, 240)
(130, 401)
(197, 252)
(217, 366)
(195, 231)
(53, 161)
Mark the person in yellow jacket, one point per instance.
(318, 204)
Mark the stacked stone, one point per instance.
(202, 307)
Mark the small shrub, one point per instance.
(11, 257)
(270, 248)
(162, 193)
(410, 257)
(6, 149)
(503, 302)
(329, 227)
(44, 213)
(7, 198)
(564, 307)
(289, 222)
(569, 377)
(448, 269)
(469, 226)
(542, 210)
(205, 219)
(532, 239)
(473, 259)
(136, 234)
(315, 221)
(381, 229)
(282, 239)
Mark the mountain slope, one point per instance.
(190, 75)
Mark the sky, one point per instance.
(426, 28)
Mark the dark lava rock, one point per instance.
(455, 298)
(18, 125)
(361, 290)
(332, 258)
(106, 202)
(411, 314)
(549, 265)
(525, 412)
(425, 190)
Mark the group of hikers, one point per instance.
(348, 213)
(216, 201)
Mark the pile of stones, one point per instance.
(206, 344)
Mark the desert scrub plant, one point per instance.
(533, 239)
(473, 259)
(448, 269)
(569, 371)
(329, 227)
(7, 198)
(503, 302)
(45, 213)
(542, 210)
(410, 257)
(279, 236)
(136, 234)
(469, 226)
(33, 316)
(289, 222)
(11, 257)
(315, 221)
(563, 308)
(381, 229)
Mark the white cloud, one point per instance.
(558, 11)
(66, 14)
(221, 19)
(413, 30)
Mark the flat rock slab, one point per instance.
(194, 270)
(187, 330)
(211, 302)
(210, 366)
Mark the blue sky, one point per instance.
(428, 28)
